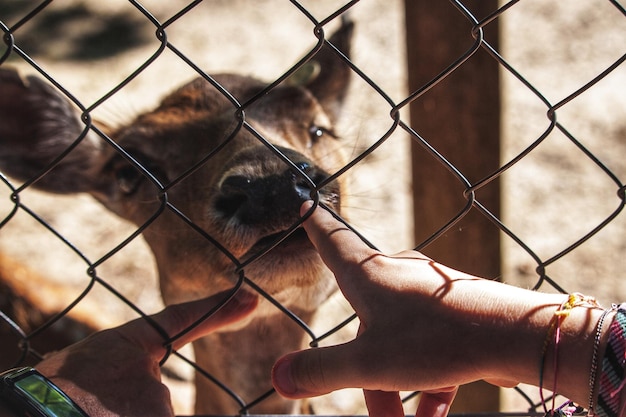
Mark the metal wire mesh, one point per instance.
(141, 47)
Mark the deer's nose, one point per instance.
(256, 200)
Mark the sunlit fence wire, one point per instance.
(550, 129)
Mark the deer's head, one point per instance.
(203, 162)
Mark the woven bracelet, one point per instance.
(594, 361)
(611, 379)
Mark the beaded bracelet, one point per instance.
(611, 379)
(554, 332)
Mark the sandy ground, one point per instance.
(550, 199)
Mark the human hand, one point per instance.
(116, 372)
(423, 327)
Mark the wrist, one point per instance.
(524, 345)
(568, 365)
(524, 338)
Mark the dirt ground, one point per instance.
(550, 199)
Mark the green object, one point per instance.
(29, 393)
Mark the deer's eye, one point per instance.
(317, 132)
(128, 179)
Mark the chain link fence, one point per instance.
(70, 267)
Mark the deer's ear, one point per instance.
(37, 124)
(329, 74)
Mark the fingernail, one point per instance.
(305, 207)
(245, 299)
(282, 377)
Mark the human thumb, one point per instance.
(314, 372)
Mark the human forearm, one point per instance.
(430, 328)
(508, 335)
(533, 348)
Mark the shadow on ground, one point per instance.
(73, 32)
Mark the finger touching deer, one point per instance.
(200, 159)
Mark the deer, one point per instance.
(241, 193)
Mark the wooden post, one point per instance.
(460, 118)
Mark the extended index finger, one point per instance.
(344, 252)
(336, 243)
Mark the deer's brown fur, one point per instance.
(243, 196)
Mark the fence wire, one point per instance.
(128, 45)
